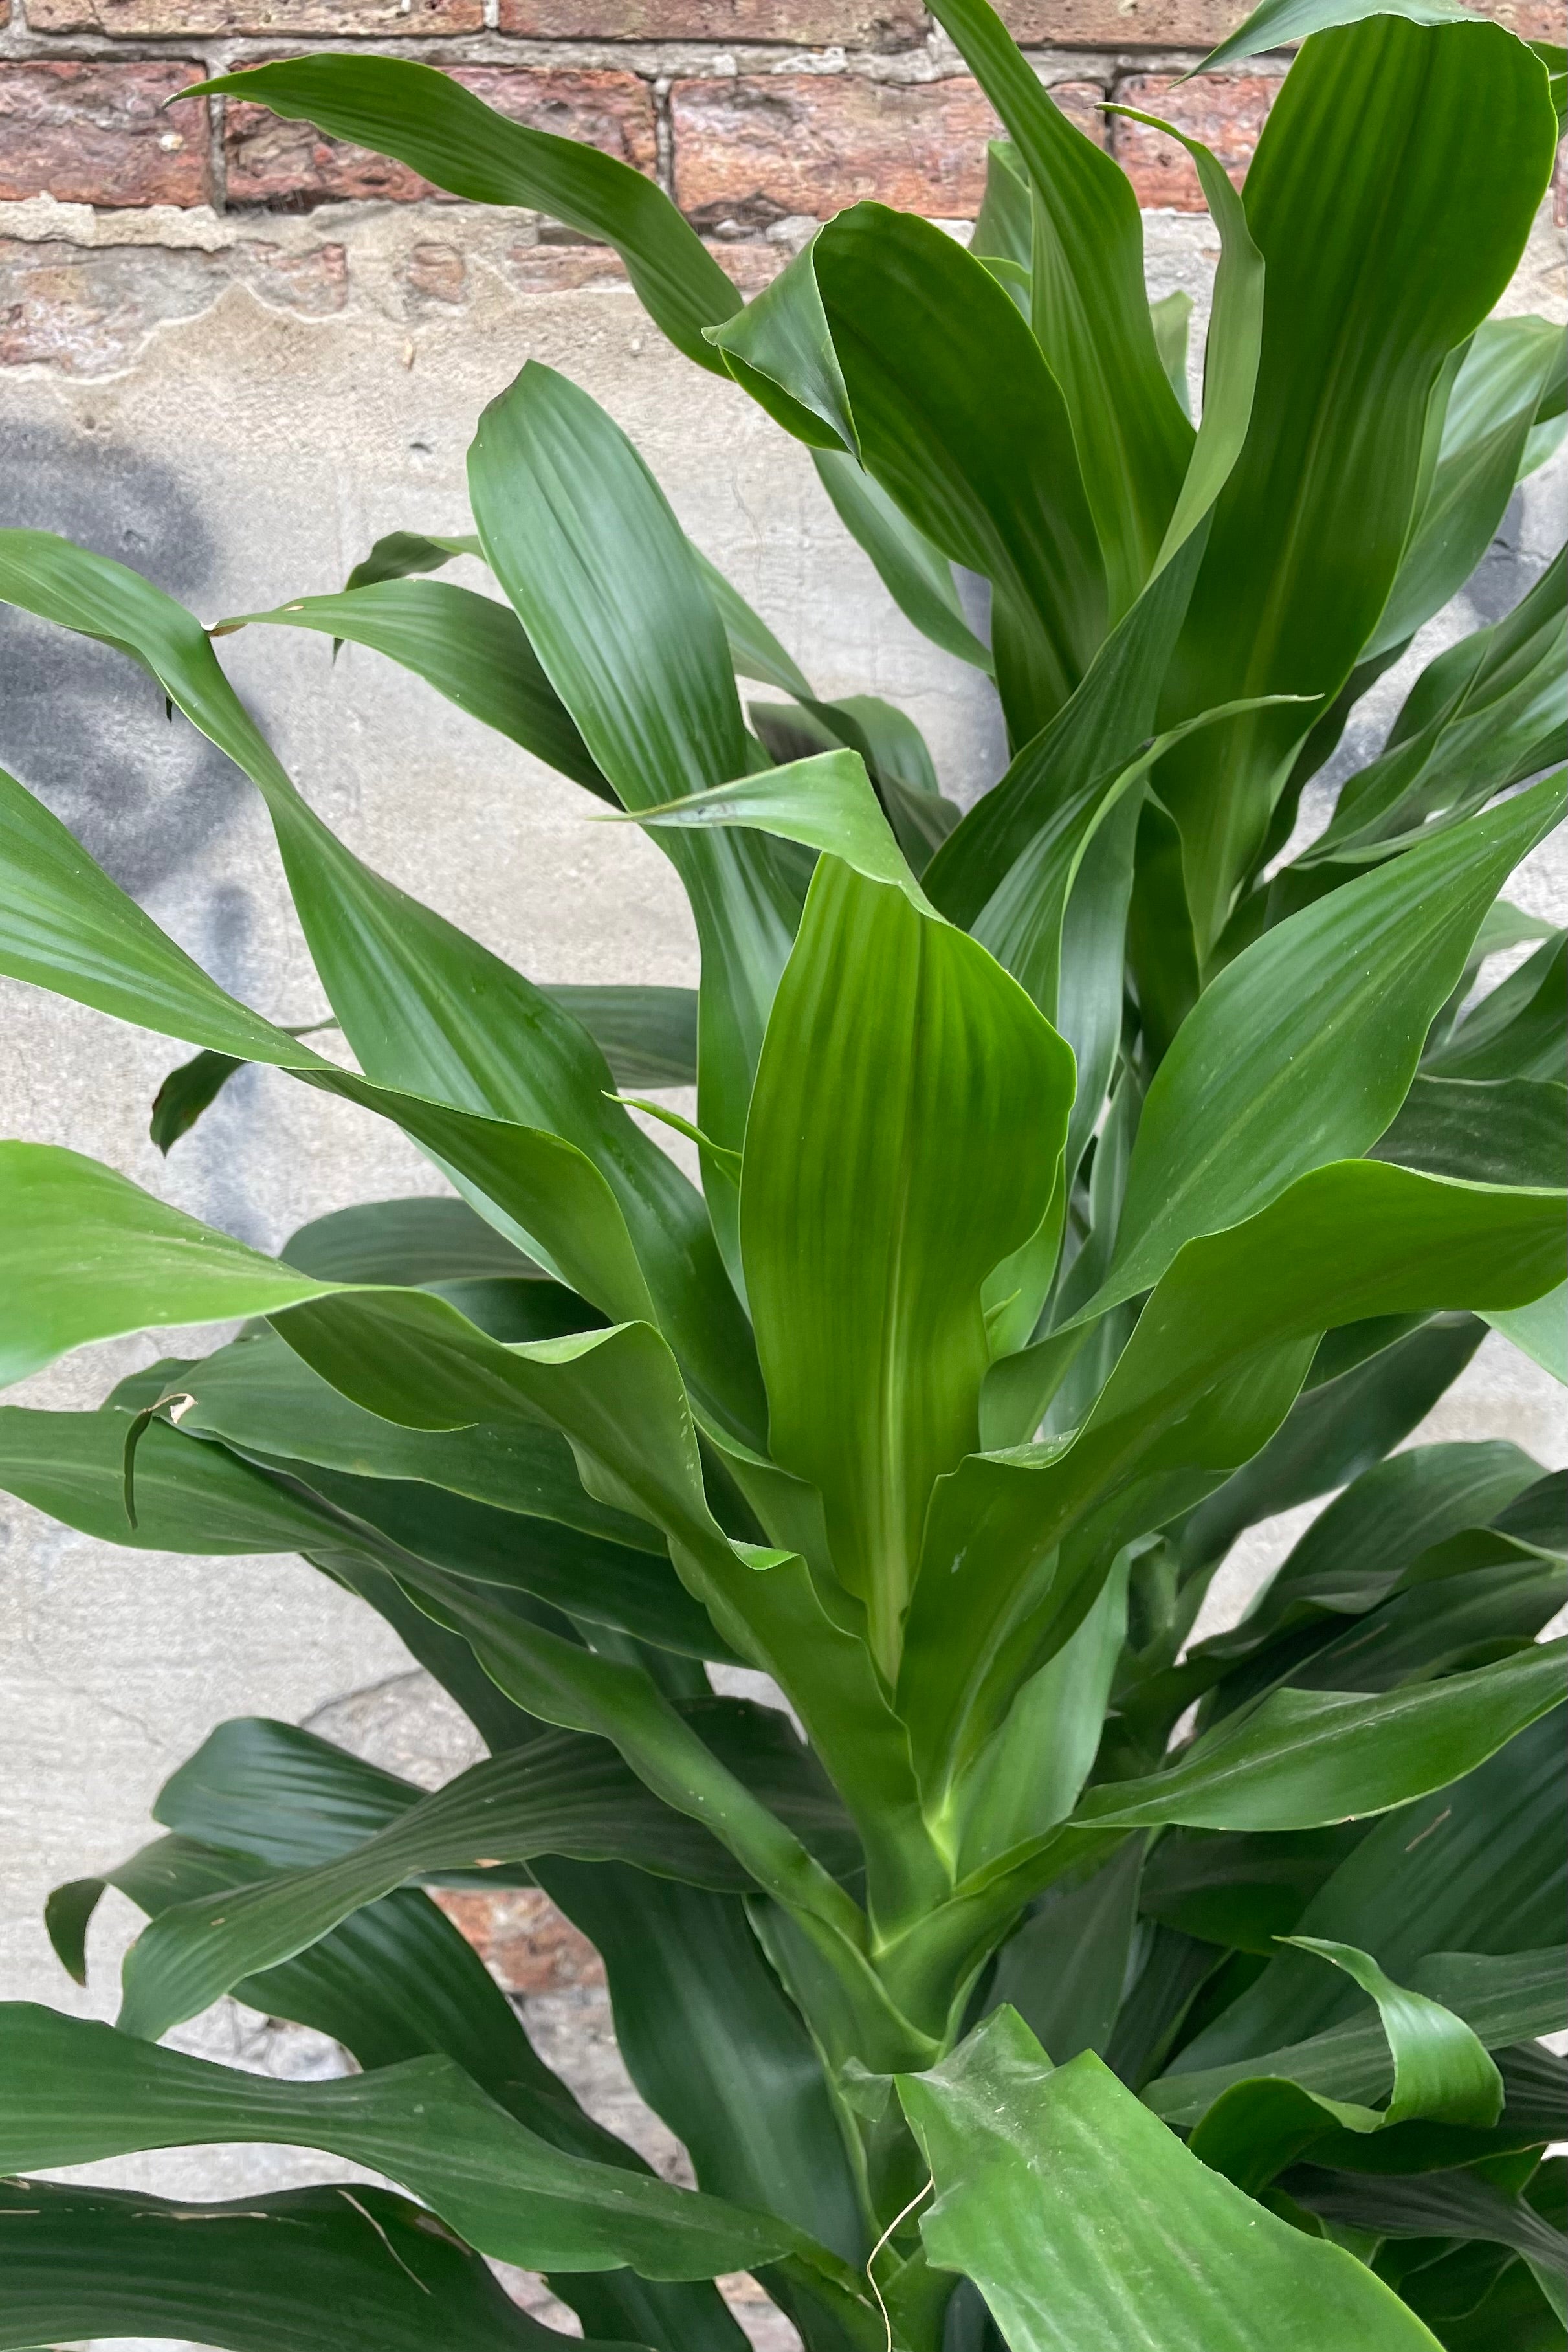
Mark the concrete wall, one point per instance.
(238, 411)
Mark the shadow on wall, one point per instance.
(84, 727)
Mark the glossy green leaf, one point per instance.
(715, 2046)
(1487, 713)
(1502, 2000)
(1508, 368)
(905, 1082)
(561, 1795)
(1090, 311)
(1304, 1757)
(259, 1395)
(188, 1497)
(619, 609)
(309, 2270)
(1338, 1427)
(469, 647)
(1357, 1552)
(1450, 2205)
(1231, 351)
(1441, 2072)
(396, 1981)
(1507, 1131)
(1365, 299)
(430, 1238)
(877, 330)
(617, 1395)
(1217, 1355)
(916, 575)
(1276, 21)
(1065, 1968)
(1476, 1867)
(1517, 1031)
(1242, 1105)
(826, 804)
(431, 122)
(74, 2092)
(471, 1033)
(1087, 2225)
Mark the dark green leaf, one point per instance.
(878, 331)
(1365, 295)
(1091, 309)
(431, 122)
(73, 2092)
(311, 2269)
(469, 647)
(1508, 1131)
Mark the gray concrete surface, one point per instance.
(239, 411)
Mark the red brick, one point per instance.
(752, 151)
(271, 161)
(853, 24)
(1203, 24)
(524, 1941)
(1226, 111)
(91, 133)
(130, 19)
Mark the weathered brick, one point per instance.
(754, 150)
(524, 1941)
(1122, 24)
(271, 161)
(1226, 111)
(132, 19)
(95, 134)
(88, 310)
(853, 24)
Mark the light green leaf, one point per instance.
(1510, 366)
(904, 1138)
(825, 803)
(1303, 1049)
(878, 329)
(493, 1071)
(617, 603)
(1540, 1330)
(1390, 196)
(1306, 1758)
(1217, 1356)
(1277, 22)
(1090, 311)
(1089, 2228)
(1231, 351)
(431, 122)
(1441, 2072)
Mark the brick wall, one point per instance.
(751, 112)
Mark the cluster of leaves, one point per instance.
(1080, 1185)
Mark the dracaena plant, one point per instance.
(1080, 1185)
